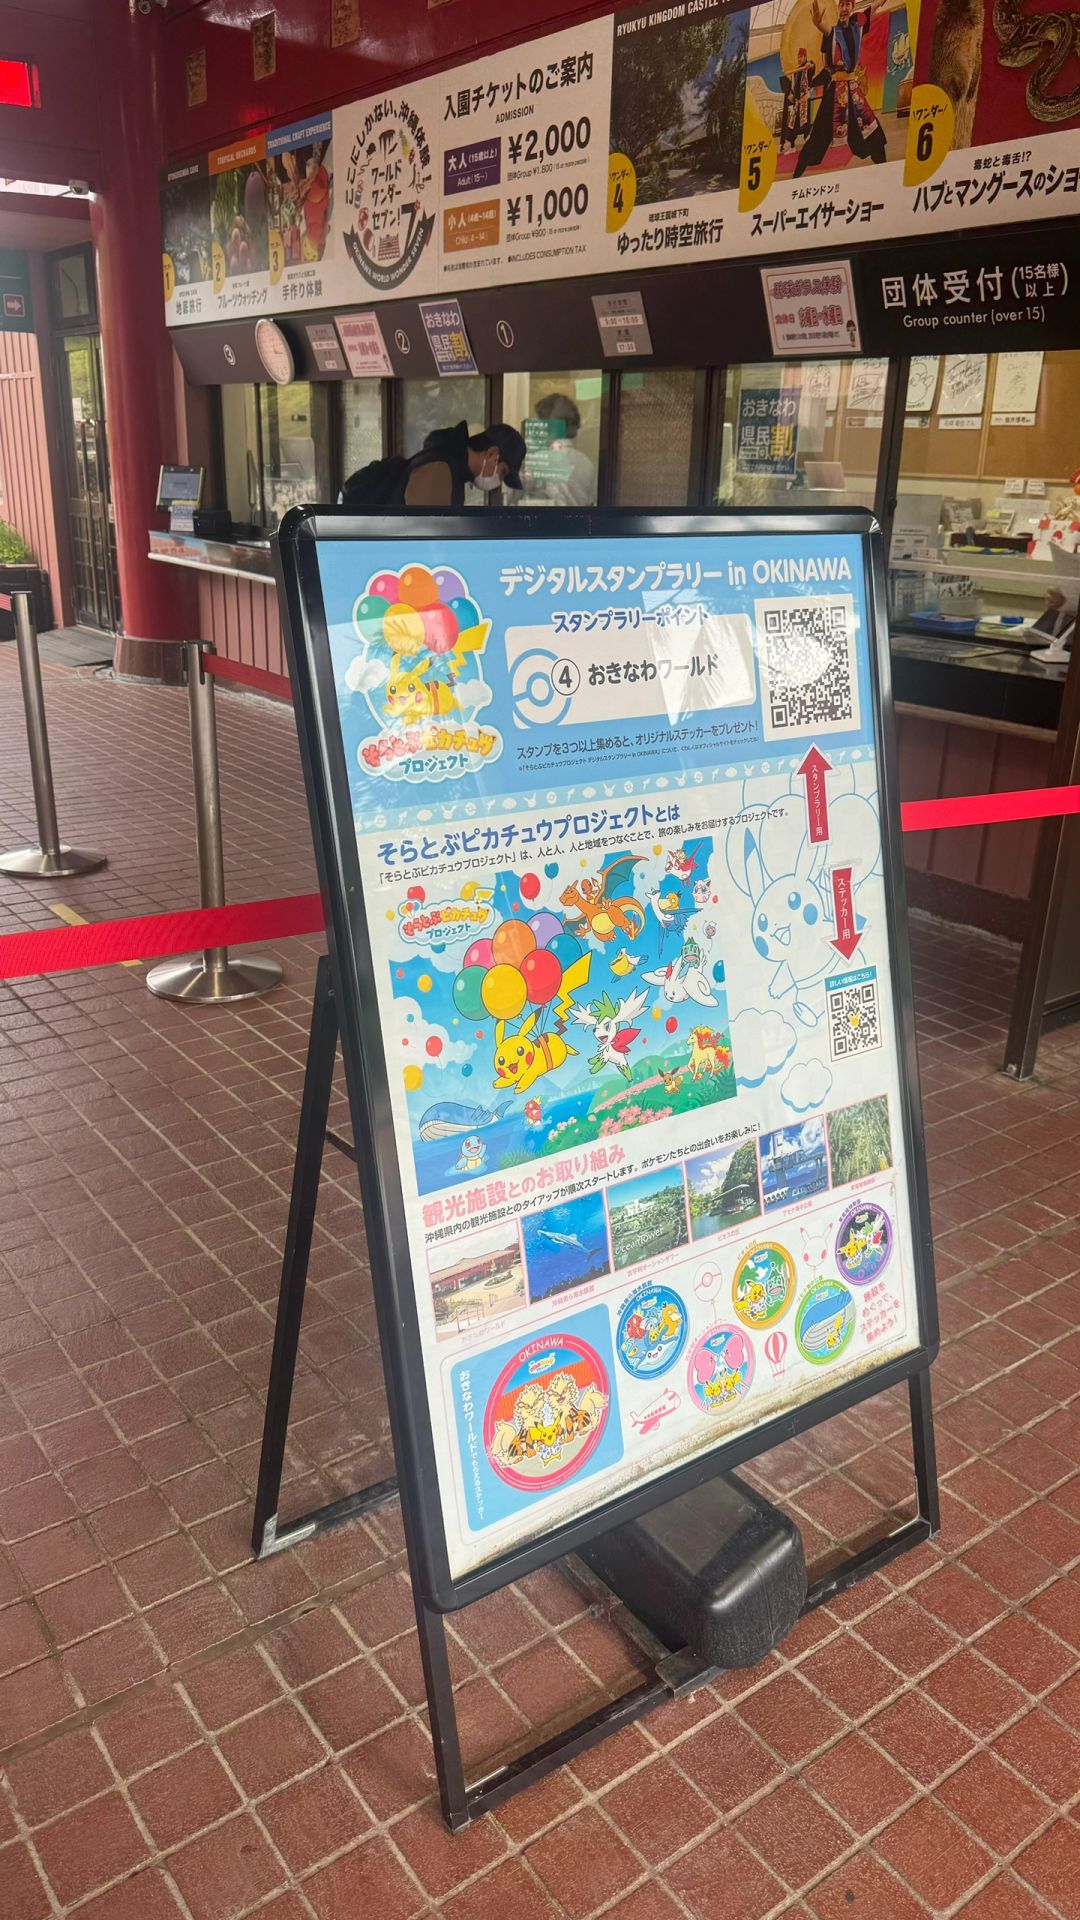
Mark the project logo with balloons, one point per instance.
(420, 674)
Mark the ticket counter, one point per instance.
(967, 459)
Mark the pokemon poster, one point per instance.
(616, 812)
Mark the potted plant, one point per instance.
(18, 574)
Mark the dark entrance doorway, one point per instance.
(91, 527)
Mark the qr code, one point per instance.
(854, 1018)
(807, 654)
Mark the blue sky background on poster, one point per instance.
(602, 599)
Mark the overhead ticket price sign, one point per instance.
(606, 816)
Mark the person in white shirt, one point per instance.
(569, 477)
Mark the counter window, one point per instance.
(361, 424)
(656, 431)
(429, 404)
(802, 433)
(277, 450)
(295, 447)
(986, 511)
(558, 416)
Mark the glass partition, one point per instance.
(361, 424)
(802, 433)
(240, 442)
(295, 448)
(985, 537)
(429, 404)
(655, 437)
(277, 450)
(558, 415)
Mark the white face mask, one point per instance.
(488, 482)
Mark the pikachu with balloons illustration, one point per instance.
(420, 673)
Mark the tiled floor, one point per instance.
(183, 1732)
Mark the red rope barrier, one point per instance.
(158, 934)
(221, 668)
(988, 809)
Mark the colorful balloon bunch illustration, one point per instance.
(531, 963)
(416, 612)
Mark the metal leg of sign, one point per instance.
(881, 1553)
(453, 1792)
(677, 1673)
(268, 1535)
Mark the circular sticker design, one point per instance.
(864, 1242)
(764, 1284)
(721, 1369)
(546, 1412)
(652, 1331)
(825, 1322)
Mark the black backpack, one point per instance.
(380, 484)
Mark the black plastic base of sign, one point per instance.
(675, 1673)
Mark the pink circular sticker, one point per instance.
(721, 1368)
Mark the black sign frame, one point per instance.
(365, 1067)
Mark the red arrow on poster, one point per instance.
(847, 937)
(813, 771)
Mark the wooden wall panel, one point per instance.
(241, 619)
(1008, 853)
(921, 751)
(940, 757)
(25, 488)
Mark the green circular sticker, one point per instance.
(824, 1322)
(763, 1285)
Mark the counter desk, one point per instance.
(237, 596)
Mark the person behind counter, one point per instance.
(568, 478)
(450, 460)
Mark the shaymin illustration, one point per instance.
(613, 1029)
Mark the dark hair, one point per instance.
(510, 445)
(559, 406)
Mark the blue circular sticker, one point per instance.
(824, 1322)
(651, 1332)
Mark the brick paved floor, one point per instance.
(185, 1733)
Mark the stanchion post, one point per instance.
(49, 859)
(211, 977)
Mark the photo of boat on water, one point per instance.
(724, 1188)
(565, 1246)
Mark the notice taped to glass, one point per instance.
(636, 987)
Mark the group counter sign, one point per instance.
(651, 137)
(613, 804)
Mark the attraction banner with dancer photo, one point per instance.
(652, 136)
(616, 809)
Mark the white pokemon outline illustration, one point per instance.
(791, 919)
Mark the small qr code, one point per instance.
(854, 1019)
(807, 665)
